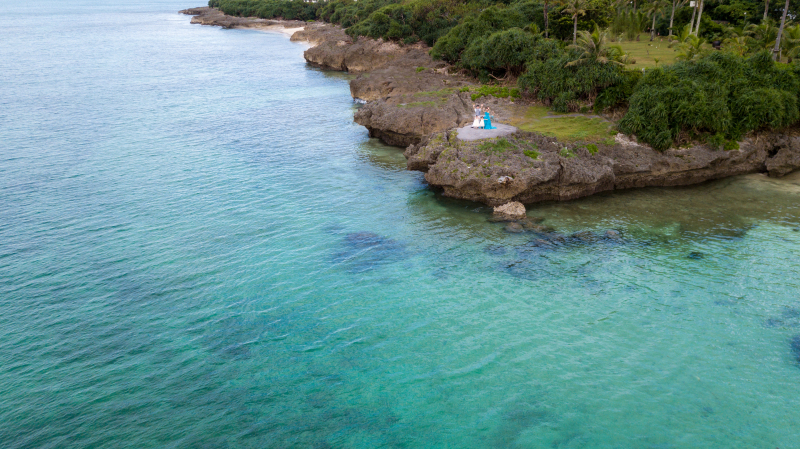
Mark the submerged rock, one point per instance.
(584, 237)
(612, 235)
(696, 255)
(513, 210)
(794, 345)
(514, 227)
(530, 222)
(365, 250)
(496, 250)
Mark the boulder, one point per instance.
(513, 210)
(785, 161)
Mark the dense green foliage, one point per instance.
(287, 9)
(722, 94)
(474, 28)
(552, 81)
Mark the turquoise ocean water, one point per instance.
(199, 249)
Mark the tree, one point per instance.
(682, 36)
(766, 9)
(654, 9)
(776, 51)
(791, 42)
(694, 14)
(691, 49)
(699, 15)
(675, 5)
(575, 8)
(761, 36)
(593, 47)
(546, 21)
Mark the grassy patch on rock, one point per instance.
(568, 128)
(496, 146)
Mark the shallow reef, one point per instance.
(364, 251)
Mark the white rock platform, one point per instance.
(470, 133)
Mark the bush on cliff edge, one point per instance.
(721, 94)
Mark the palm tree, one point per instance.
(761, 36)
(735, 41)
(682, 36)
(691, 49)
(694, 14)
(777, 50)
(791, 42)
(574, 8)
(546, 21)
(675, 5)
(655, 9)
(699, 15)
(593, 47)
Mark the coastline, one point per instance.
(413, 102)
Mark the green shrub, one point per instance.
(730, 145)
(566, 153)
(592, 148)
(478, 25)
(551, 80)
(505, 52)
(464, 89)
(721, 94)
(408, 21)
(618, 93)
(495, 91)
(419, 69)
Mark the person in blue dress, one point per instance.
(487, 119)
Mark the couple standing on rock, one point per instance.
(483, 117)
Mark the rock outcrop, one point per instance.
(215, 17)
(539, 168)
(512, 211)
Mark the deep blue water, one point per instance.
(199, 249)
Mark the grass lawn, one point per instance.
(564, 127)
(645, 52)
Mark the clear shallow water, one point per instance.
(199, 249)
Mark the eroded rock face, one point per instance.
(404, 123)
(343, 53)
(215, 17)
(468, 170)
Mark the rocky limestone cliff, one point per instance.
(211, 16)
(478, 171)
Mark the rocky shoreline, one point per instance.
(412, 101)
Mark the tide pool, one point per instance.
(200, 249)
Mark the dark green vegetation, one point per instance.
(723, 94)
(567, 54)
